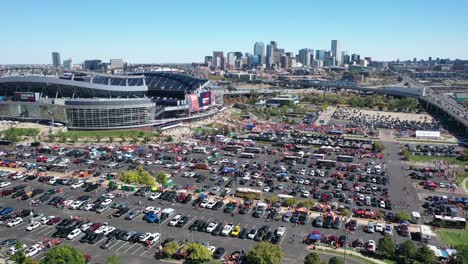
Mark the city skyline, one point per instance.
(159, 32)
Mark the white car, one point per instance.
(371, 245)
(108, 230)
(266, 189)
(211, 249)
(281, 231)
(74, 234)
(211, 226)
(305, 194)
(88, 207)
(204, 203)
(361, 197)
(67, 203)
(13, 250)
(46, 219)
(379, 227)
(152, 209)
(18, 176)
(77, 185)
(30, 252)
(154, 196)
(4, 184)
(85, 227)
(382, 204)
(153, 238)
(33, 225)
(174, 220)
(388, 230)
(15, 222)
(211, 203)
(227, 229)
(109, 195)
(104, 229)
(75, 205)
(106, 202)
(252, 234)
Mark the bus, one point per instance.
(247, 155)
(345, 158)
(231, 147)
(319, 156)
(449, 221)
(253, 150)
(327, 163)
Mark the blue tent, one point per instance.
(315, 237)
(228, 170)
(203, 196)
(249, 127)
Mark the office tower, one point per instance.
(368, 59)
(304, 57)
(92, 65)
(259, 52)
(275, 45)
(218, 59)
(56, 59)
(67, 64)
(355, 57)
(208, 60)
(231, 60)
(270, 59)
(320, 54)
(336, 50)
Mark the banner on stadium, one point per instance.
(205, 99)
(194, 105)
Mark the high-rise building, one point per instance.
(218, 59)
(92, 65)
(68, 64)
(304, 56)
(320, 54)
(355, 58)
(259, 51)
(56, 59)
(231, 60)
(270, 59)
(336, 51)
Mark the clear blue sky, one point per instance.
(186, 31)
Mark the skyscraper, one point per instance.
(259, 52)
(270, 59)
(336, 51)
(304, 57)
(218, 59)
(67, 64)
(56, 59)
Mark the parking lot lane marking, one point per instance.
(24, 224)
(137, 250)
(186, 224)
(130, 248)
(144, 252)
(48, 232)
(115, 244)
(246, 225)
(282, 239)
(165, 220)
(45, 230)
(125, 243)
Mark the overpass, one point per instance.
(430, 96)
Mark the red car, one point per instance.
(54, 221)
(7, 192)
(94, 227)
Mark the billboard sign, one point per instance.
(26, 97)
(194, 105)
(205, 99)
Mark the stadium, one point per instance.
(93, 101)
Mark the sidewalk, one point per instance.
(340, 252)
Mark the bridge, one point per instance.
(431, 96)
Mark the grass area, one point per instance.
(457, 239)
(356, 257)
(450, 160)
(107, 133)
(15, 134)
(427, 141)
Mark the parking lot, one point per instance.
(339, 174)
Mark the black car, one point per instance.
(19, 187)
(243, 234)
(65, 232)
(120, 212)
(219, 253)
(194, 225)
(108, 242)
(259, 235)
(95, 238)
(218, 205)
(8, 242)
(182, 221)
(268, 236)
(276, 239)
(217, 230)
(136, 237)
(86, 238)
(187, 198)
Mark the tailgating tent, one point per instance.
(315, 237)
(228, 170)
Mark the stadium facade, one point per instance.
(92, 101)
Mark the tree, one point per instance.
(290, 201)
(378, 146)
(98, 138)
(114, 259)
(272, 199)
(386, 247)
(408, 250)
(162, 178)
(265, 253)
(111, 139)
(309, 203)
(198, 253)
(170, 248)
(64, 255)
(312, 258)
(169, 138)
(19, 257)
(402, 216)
(146, 139)
(335, 260)
(425, 255)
